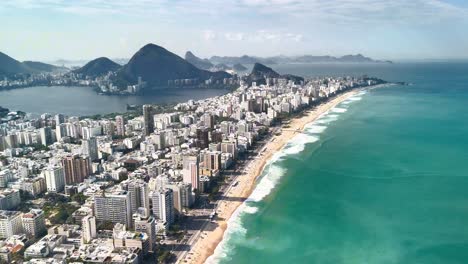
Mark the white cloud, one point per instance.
(209, 35)
(344, 11)
(234, 36)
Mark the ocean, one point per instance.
(382, 178)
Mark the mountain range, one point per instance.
(359, 58)
(10, 66)
(156, 66)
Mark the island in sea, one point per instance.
(158, 184)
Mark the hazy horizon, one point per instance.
(48, 30)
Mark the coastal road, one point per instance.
(183, 256)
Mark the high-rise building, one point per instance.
(208, 120)
(182, 193)
(148, 119)
(159, 139)
(5, 177)
(10, 223)
(229, 147)
(202, 136)
(11, 141)
(88, 225)
(90, 148)
(139, 196)
(114, 206)
(76, 169)
(34, 223)
(46, 136)
(109, 128)
(144, 223)
(9, 199)
(60, 131)
(226, 128)
(212, 160)
(163, 205)
(59, 119)
(55, 179)
(33, 186)
(190, 166)
(120, 125)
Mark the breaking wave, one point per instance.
(271, 176)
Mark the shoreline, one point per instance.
(213, 233)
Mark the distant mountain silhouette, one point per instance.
(43, 67)
(240, 60)
(98, 67)
(156, 66)
(359, 58)
(203, 64)
(239, 67)
(261, 72)
(10, 66)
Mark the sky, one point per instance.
(48, 30)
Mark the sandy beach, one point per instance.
(212, 235)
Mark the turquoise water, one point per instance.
(382, 178)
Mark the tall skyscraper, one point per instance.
(88, 225)
(55, 179)
(182, 193)
(90, 148)
(5, 177)
(202, 136)
(60, 131)
(114, 206)
(139, 196)
(2, 143)
(190, 166)
(11, 141)
(59, 119)
(229, 147)
(212, 160)
(76, 169)
(148, 119)
(46, 136)
(163, 205)
(208, 120)
(120, 125)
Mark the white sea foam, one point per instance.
(298, 143)
(271, 176)
(355, 98)
(362, 92)
(234, 229)
(235, 232)
(250, 209)
(327, 119)
(312, 128)
(338, 110)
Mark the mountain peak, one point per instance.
(261, 72)
(8, 66)
(203, 64)
(97, 67)
(158, 66)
